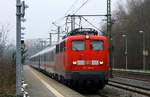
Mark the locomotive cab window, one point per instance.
(78, 45)
(97, 45)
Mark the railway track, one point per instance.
(97, 95)
(129, 87)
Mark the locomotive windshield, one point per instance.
(97, 45)
(78, 45)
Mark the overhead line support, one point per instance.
(18, 48)
(74, 16)
(109, 34)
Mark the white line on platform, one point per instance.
(50, 88)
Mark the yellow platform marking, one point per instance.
(50, 88)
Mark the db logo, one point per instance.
(88, 62)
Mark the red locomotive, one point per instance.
(80, 59)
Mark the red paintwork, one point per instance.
(59, 62)
(64, 60)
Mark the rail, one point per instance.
(137, 89)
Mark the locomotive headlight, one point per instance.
(87, 36)
(101, 62)
(74, 62)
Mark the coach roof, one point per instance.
(43, 51)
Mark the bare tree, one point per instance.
(7, 73)
(130, 19)
(3, 36)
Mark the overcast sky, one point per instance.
(41, 14)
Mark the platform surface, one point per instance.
(40, 85)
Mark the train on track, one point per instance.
(80, 59)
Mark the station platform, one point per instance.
(39, 85)
(133, 74)
(133, 71)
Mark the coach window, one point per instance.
(46, 56)
(78, 45)
(42, 57)
(97, 45)
(57, 48)
(52, 56)
(62, 46)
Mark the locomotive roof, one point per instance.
(83, 37)
(81, 31)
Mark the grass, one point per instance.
(7, 81)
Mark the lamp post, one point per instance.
(126, 50)
(144, 51)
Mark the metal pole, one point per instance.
(144, 61)
(18, 48)
(144, 52)
(109, 24)
(50, 39)
(126, 51)
(58, 34)
(113, 57)
(72, 22)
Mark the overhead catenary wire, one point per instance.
(81, 6)
(74, 3)
(71, 7)
(93, 25)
